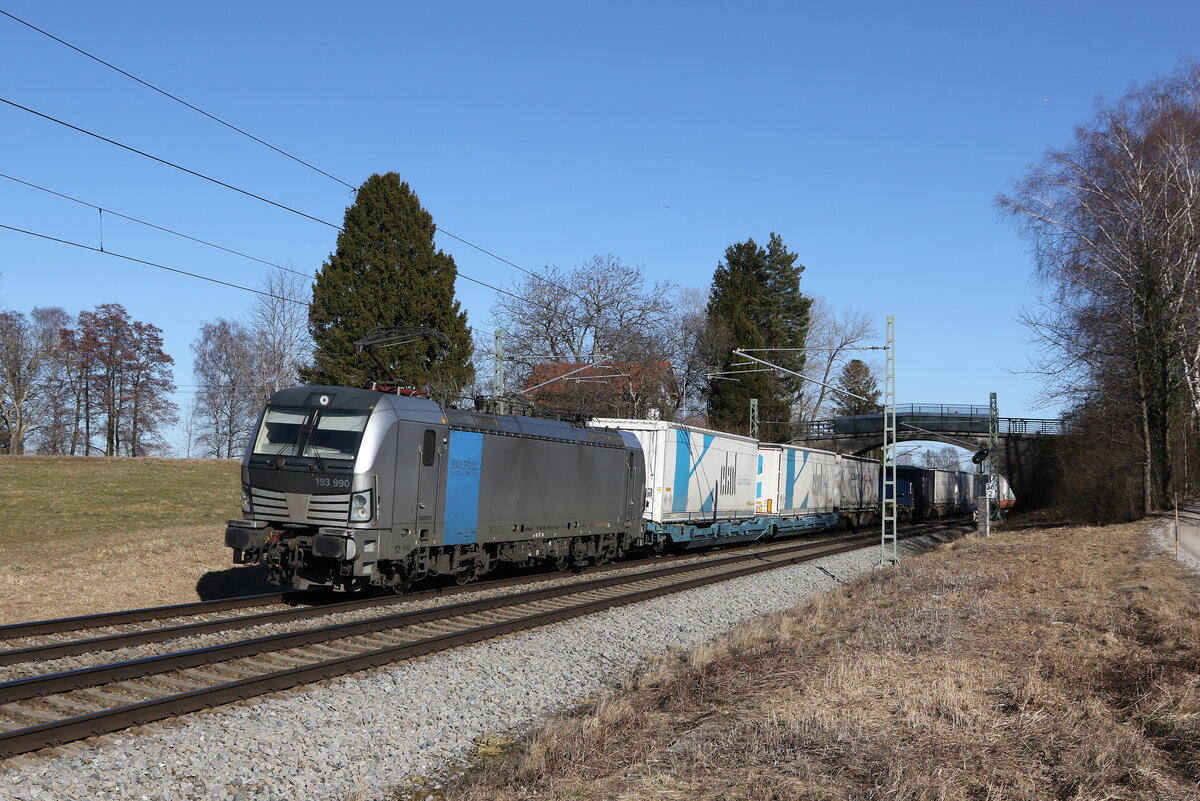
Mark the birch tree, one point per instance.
(279, 326)
(1114, 223)
(227, 370)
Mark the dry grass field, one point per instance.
(81, 535)
(1038, 664)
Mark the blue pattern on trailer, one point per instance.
(462, 487)
(685, 468)
(793, 477)
(758, 490)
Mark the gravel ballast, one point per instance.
(22, 670)
(361, 736)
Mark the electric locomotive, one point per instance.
(355, 488)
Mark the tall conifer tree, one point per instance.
(856, 378)
(387, 272)
(756, 303)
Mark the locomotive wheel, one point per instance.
(561, 563)
(397, 582)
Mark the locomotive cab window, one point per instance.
(323, 434)
(429, 448)
(336, 435)
(280, 432)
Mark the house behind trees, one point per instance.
(610, 389)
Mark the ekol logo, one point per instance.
(727, 485)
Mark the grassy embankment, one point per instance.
(1061, 663)
(81, 535)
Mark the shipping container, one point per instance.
(693, 475)
(794, 480)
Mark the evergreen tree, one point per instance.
(856, 378)
(387, 272)
(756, 303)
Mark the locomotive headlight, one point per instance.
(245, 500)
(360, 507)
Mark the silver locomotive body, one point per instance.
(351, 488)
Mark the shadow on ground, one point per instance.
(234, 582)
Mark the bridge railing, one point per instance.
(939, 418)
(1020, 425)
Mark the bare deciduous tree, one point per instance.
(833, 336)
(125, 381)
(1114, 220)
(601, 311)
(58, 423)
(279, 325)
(20, 378)
(227, 368)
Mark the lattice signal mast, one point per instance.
(498, 371)
(888, 553)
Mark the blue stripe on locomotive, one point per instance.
(462, 487)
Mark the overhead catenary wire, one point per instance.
(283, 206)
(217, 280)
(171, 164)
(177, 99)
(278, 205)
(503, 260)
(113, 253)
(104, 209)
(101, 249)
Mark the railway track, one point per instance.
(118, 629)
(40, 640)
(53, 708)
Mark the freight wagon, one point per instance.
(700, 484)
(810, 489)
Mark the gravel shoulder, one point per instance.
(363, 736)
(1044, 662)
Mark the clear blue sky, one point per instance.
(872, 136)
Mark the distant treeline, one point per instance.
(98, 383)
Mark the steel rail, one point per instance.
(56, 625)
(108, 642)
(56, 732)
(34, 628)
(49, 684)
(56, 650)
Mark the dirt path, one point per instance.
(1188, 538)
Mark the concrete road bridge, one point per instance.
(1020, 437)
